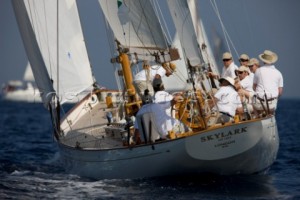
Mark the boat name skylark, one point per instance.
(222, 135)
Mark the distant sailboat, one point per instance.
(22, 90)
(94, 138)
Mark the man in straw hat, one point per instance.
(143, 80)
(228, 68)
(267, 83)
(244, 59)
(253, 65)
(244, 87)
(226, 102)
(244, 84)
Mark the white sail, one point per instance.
(134, 24)
(59, 36)
(184, 25)
(28, 75)
(202, 36)
(34, 55)
(179, 79)
(193, 39)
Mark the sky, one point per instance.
(253, 26)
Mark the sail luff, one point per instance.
(34, 55)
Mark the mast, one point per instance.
(57, 81)
(133, 104)
(138, 34)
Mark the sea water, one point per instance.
(30, 167)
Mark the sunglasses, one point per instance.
(244, 60)
(240, 72)
(225, 60)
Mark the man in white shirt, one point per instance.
(267, 83)
(244, 84)
(253, 65)
(244, 87)
(227, 101)
(228, 68)
(143, 79)
(244, 59)
(162, 124)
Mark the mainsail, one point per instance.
(184, 25)
(193, 40)
(55, 27)
(135, 25)
(202, 36)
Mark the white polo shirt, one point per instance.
(267, 79)
(154, 69)
(247, 84)
(163, 122)
(229, 71)
(228, 100)
(163, 98)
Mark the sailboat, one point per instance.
(22, 90)
(95, 136)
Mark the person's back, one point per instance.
(267, 83)
(159, 115)
(268, 79)
(228, 100)
(164, 99)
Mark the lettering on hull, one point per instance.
(224, 139)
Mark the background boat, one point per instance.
(22, 90)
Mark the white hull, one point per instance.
(23, 95)
(242, 148)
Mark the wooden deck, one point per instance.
(92, 132)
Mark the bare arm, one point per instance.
(254, 86)
(280, 90)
